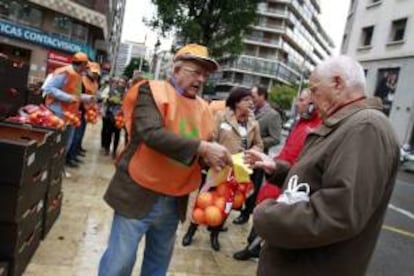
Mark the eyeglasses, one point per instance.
(196, 73)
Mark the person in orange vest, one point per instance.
(90, 85)
(63, 92)
(168, 126)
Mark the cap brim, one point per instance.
(208, 63)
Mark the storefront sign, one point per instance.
(42, 38)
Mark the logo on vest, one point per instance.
(188, 131)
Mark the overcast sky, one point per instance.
(333, 17)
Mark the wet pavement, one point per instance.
(77, 240)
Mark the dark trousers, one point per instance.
(109, 130)
(257, 179)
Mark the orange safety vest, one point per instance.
(190, 118)
(73, 86)
(91, 86)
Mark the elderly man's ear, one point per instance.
(338, 82)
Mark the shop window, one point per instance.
(366, 37)
(63, 25)
(79, 32)
(398, 29)
(22, 12)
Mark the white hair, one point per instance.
(347, 68)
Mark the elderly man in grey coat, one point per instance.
(328, 219)
(270, 123)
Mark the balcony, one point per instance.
(273, 69)
(272, 28)
(273, 12)
(76, 11)
(262, 41)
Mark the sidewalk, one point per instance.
(77, 240)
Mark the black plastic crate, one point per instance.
(24, 152)
(56, 141)
(52, 210)
(4, 269)
(19, 262)
(13, 235)
(14, 200)
(57, 163)
(54, 188)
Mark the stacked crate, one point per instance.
(54, 195)
(24, 177)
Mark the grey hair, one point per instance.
(349, 69)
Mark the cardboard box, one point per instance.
(19, 262)
(15, 200)
(24, 153)
(13, 235)
(52, 209)
(4, 269)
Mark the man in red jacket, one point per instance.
(308, 119)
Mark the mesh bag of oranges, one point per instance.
(222, 192)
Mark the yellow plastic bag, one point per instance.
(240, 170)
(215, 178)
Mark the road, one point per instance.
(394, 255)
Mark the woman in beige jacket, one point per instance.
(237, 130)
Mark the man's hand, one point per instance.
(86, 98)
(256, 159)
(215, 155)
(75, 98)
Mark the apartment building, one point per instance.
(40, 35)
(380, 34)
(281, 48)
(128, 50)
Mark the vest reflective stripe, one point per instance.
(186, 117)
(73, 86)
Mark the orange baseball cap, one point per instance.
(80, 57)
(94, 67)
(199, 53)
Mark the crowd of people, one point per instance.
(317, 206)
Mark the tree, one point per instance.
(217, 24)
(283, 95)
(134, 65)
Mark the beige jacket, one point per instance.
(226, 132)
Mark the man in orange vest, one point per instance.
(90, 85)
(168, 127)
(63, 91)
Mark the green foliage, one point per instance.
(217, 24)
(134, 65)
(282, 95)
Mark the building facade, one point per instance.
(380, 34)
(128, 50)
(40, 35)
(283, 46)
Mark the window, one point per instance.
(21, 12)
(366, 38)
(398, 29)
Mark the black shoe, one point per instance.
(82, 150)
(81, 153)
(188, 237)
(71, 164)
(245, 254)
(214, 241)
(242, 219)
(77, 160)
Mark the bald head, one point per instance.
(335, 82)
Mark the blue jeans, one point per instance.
(159, 227)
(77, 140)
